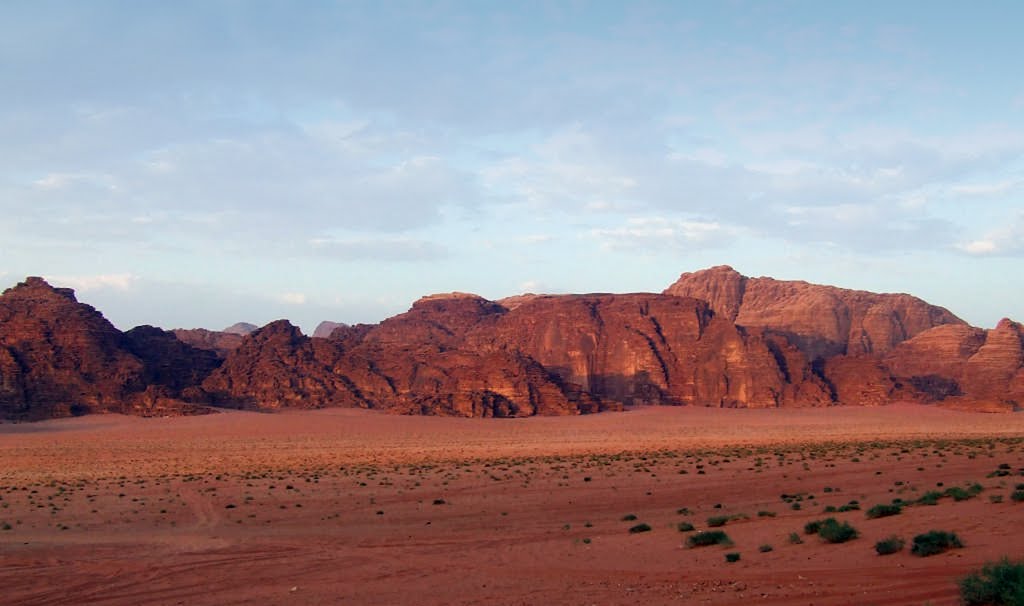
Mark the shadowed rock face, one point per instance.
(220, 343)
(966, 366)
(59, 358)
(463, 355)
(823, 321)
(460, 354)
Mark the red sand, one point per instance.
(338, 507)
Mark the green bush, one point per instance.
(930, 498)
(629, 517)
(837, 532)
(812, 527)
(684, 526)
(765, 548)
(960, 494)
(732, 557)
(641, 527)
(795, 539)
(934, 542)
(999, 584)
(1017, 496)
(883, 510)
(708, 537)
(889, 545)
(717, 521)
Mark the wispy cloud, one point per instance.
(87, 283)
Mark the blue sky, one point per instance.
(200, 163)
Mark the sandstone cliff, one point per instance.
(823, 321)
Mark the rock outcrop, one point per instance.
(220, 343)
(963, 366)
(59, 358)
(717, 338)
(823, 321)
(324, 329)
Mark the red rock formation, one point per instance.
(61, 357)
(324, 329)
(822, 321)
(168, 361)
(965, 367)
(278, 367)
(649, 349)
(220, 343)
(859, 380)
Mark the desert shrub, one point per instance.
(883, 511)
(1017, 496)
(732, 557)
(934, 542)
(929, 498)
(837, 532)
(708, 537)
(851, 506)
(684, 526)
(765, 548)
(629, 517)
(716, 521)
(641, 527)
(439, 501)
(960, 494)
(766, 514)
(795, 539)
(1000, 584)
(812, 527)
(889, 545)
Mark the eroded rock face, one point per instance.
(648, 349)
(324, 329)
(963, 366)
(278, 367)
(463, 355)
(823, 321)
(59, 357)
(220, 343)
(460, 354)
(168, 361)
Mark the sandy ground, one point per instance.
(358, 507)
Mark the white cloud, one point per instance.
(1007, 240)
(655, 233)
(293, 298)
(121, 282)
(381, 248)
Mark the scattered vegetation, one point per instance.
(732, 557)
(708, 537)
(889, 545)
(883, 510)
(641, 527)
(934, 542)
(684, 526)
(998, 584)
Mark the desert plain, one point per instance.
(344, 506)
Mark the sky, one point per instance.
(199, 163)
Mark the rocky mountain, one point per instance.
(59, 357)
(823, 321)
(220, 343)
(714, 338)
(240, 328)
(324, 329)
